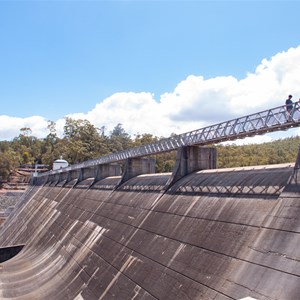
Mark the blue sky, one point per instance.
(91, 59)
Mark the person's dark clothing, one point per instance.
(289, 105)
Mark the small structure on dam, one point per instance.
(90, 232)
(60, 163)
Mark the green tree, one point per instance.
(82, 141)
(9, 160)
(144, 139)
(27, 146)
(49, 145)
(119, 140)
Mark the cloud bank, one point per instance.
(195, 102)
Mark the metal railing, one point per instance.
(274, 119)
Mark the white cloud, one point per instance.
(222, 98)
(194, 103)
(10, 126)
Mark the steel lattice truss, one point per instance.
(255, 124)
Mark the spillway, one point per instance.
(213, 234)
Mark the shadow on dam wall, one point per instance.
(213, 234)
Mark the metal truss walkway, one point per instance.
(274, 119)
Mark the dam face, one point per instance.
(210, 234)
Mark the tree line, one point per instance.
(82, 141)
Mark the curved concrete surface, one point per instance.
(217, 234)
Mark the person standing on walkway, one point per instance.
(289, 104)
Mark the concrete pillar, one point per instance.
(73, 174)
(86, 173)
(53, 179)
(138, 166)
(106, 170)
(191, 159)
(39, 180)
(50, 178)
(63, 178)
(80, 174)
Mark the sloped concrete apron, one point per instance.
(209, 234)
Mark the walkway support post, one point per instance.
(191, 159)
(138, 166)
(106, 170)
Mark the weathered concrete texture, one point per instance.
(214, 234)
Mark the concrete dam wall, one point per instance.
(211, 234)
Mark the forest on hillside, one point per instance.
(82, 141)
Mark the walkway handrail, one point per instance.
(274, 119)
